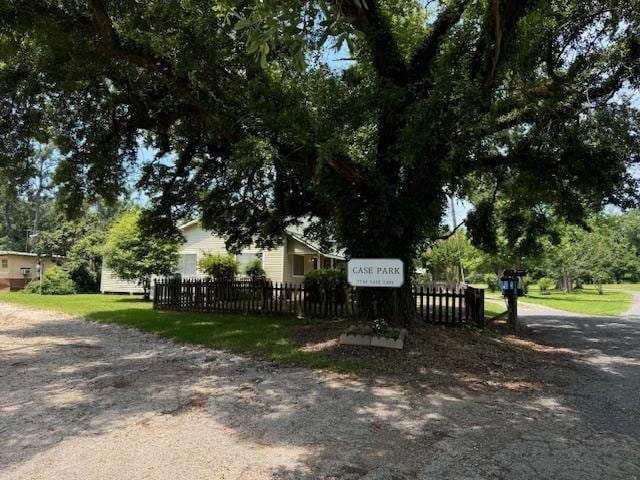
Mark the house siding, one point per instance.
(294, 247)
(199, 242)
(273, 263)
(110, 283)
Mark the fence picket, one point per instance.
(446, 306)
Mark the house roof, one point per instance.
(336, 254)
(22, 254)
(188, 224)
(294, 233)
(27, 254)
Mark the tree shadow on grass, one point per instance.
(69, 378)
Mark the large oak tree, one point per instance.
(256, 130)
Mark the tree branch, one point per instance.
(367, 18)
(344, 167)
(499, 29)
(426, 53)
(113, 47)
(570, 103)
(451, 233)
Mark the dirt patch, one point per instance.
(442, 357)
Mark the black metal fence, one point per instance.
(433, 305)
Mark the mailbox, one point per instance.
(511, 281)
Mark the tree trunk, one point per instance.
(395, 305)
(146, 288)
(392, 213)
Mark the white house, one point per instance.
(286, 263)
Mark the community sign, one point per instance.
(375, 272)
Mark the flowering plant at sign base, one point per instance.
(379, 328)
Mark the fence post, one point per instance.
(155, 293)
(480, 308)
(474, 309)
(178, 289)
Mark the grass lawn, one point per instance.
(586, 301)
(623, 286)
(268, 337)
(491, 309)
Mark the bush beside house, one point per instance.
(219, 266)
(322, 282)
(55, 281)
(85, 281)
(254, 270)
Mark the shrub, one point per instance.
(545, 284)
(254, 270)
(491, 279)
(219, 266)
(84, 280)
(319, 283)
(55, 281)
(600, 277)
(422, 278)
(526, 283)
(475, 278)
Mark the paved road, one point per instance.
(606, 384)
(85, 401)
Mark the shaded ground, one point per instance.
(79, 400)
(438, 357)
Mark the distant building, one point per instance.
(19, 268)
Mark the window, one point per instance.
(245, 258)
(188, 265)
(298, 265)
(5, 264)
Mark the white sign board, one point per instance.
(375, 272)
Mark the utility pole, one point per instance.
(455, 224)
(26, 241)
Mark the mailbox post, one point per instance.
(511, 290)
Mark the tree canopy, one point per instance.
(257, 128)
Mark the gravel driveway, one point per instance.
(79, 400)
